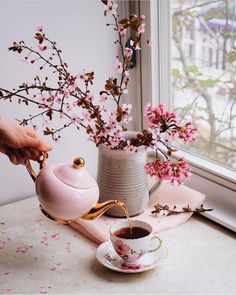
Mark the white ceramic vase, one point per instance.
(122, 176)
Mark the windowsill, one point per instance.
(210, 170)
(220, 193)
(200, 258)
(222, 213)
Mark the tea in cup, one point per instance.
(132, 243)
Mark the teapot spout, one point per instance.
(101, 208)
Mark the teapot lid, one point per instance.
(75, 174)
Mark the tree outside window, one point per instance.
(204, 74)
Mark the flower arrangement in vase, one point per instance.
(70, 99)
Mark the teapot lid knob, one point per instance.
(79, 162)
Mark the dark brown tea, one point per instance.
(131, 233)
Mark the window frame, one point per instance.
(211, 179)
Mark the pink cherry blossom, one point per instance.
(158, 117)
(111, 8)
(187, 133)
(66, 92)
(86, 115)
(40, 28)
(7, 273)
(104, 106)
(55, 236)
(127, 108)
(141, 28)
(23, 249)
(112, 122)
(102, 97)
(114, 142)
(56, 139)
(128, 52)
(44, 240)
(118, 66)
(58, 99)
(42, 47)
(149, 42)
(45, 123)
(168, 170)
(75, 119)
(126, 72)
(127, 119)
(89, 96)
(130, 149)
(24, 59)
(82, 75)
(121, 248)
(122, 31)
(119, 135)
(69, 106)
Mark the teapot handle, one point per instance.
(41, 161)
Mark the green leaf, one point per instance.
(175, 73)
(190, 85)
(210, 83)
(191, 69)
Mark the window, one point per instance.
(192, 69)
(200, 91)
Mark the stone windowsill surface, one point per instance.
(38, 255)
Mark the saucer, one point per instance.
(107, 256)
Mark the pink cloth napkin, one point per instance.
(181, 196)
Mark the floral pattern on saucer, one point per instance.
(108, 257)
(117, 262)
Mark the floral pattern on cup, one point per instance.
(125, 251)
(121, 248)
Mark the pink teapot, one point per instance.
(67, 191)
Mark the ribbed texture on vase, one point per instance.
(123, 179)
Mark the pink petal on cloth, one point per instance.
(179, 196)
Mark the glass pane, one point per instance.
(204, 74)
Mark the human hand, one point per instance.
(19, 142)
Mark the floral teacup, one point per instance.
(131, 244)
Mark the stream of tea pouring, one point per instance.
(95, 212)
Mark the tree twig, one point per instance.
(165, 210)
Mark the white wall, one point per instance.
(79, 29)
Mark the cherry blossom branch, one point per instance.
(25, 121)
(52, 132)
(77, 106)
(123, 58)
(165, 210)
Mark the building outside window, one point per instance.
(204, 73)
